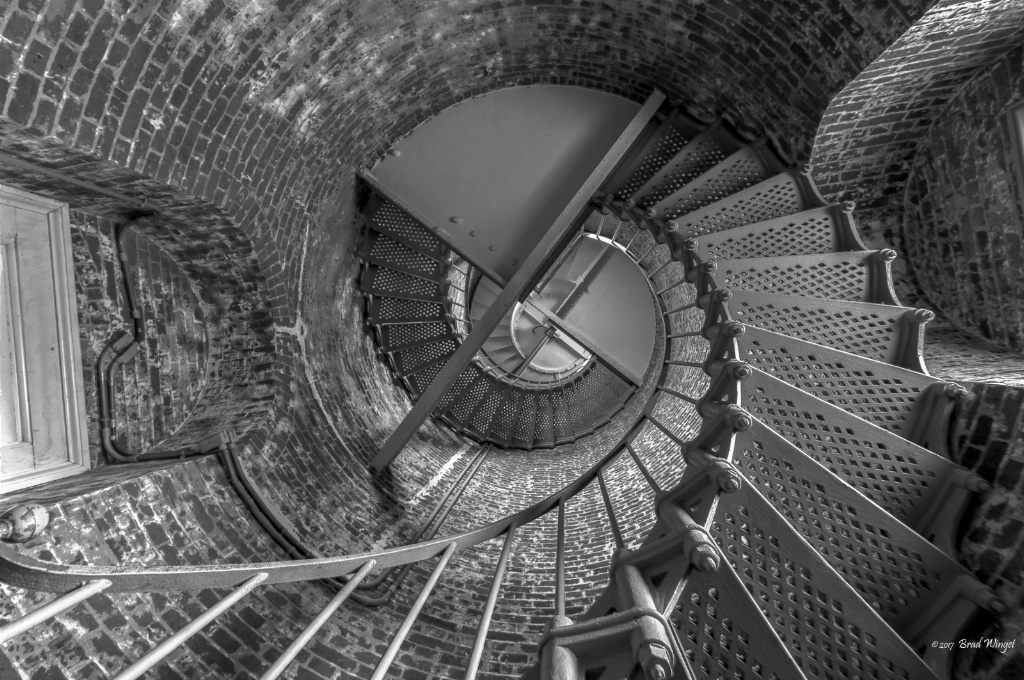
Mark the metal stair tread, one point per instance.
(782, 194)
(894, 472)
(894, 569)
(876, 331)
(383, 251)
(393, 283)
(871, 390)
(383, 216)
(857, 276)
(777, 564)
(701, 153)
(823, 229)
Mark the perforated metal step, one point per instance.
(900, 476)
(384, 217)
(823, 621)
(398, 337)
(895, 570)
(882, 394)
(384, 251)
(656, 149)
(395, 284)
(818, 230)
(859, 276)
(783, 194)
(702, 153)
(388, 310)
(740, 170)
(885, 333)
(410, 361)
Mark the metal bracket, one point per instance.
(941, 519)
(933, 417)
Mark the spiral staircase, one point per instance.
(811, 531)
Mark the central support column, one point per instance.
(518, 286)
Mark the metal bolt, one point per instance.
(729, 480)
(741, 422)
(492, 248)
(742, 371)
(472, 233)
(455, 219)
(705, 559)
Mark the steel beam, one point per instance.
(438, 233)
(518, 287)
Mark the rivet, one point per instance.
(515, 260)
(395, 152)
(472, 233)
(455, 219)
(492, 248)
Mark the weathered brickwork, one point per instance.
(963, 208)
(882, 125)
(157, 391)
(870, 133)
(245, 122)
(990, 441)
(954, 355)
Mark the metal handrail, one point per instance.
(23, 571)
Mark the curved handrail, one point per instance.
(23, 571)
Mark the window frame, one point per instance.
(70, 370)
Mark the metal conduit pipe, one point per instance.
(123, 348)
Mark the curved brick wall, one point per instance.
(248, 119)
(880, 127)
(963, 208)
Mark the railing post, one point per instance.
(392, 651)
(492, 599)
(51, 609)
(172, 643)
(616, 531)
(560, 562)
(316, 624)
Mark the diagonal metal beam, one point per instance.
(438, 233)
(519, 286)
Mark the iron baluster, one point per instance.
(560, 562)
(310, 630)
(492, 600)
(616, 531)
(410, 618)
(51, 609)
(172, 643)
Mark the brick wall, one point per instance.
(907, 106)
(990, 441)
(963, 208)
(244, 122)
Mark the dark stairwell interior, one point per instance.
(246, 124)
